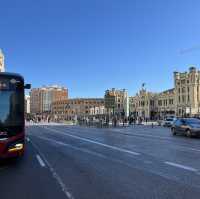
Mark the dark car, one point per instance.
(186, 126)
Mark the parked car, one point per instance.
(186, 126)
(168, 122)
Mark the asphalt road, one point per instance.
(88, 163)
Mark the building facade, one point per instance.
(73, 109)
(117, 102)
(183, 100)
(41, 99)
(165, 104)
(133, 105)
(187, 88)
(2, 66)
(143, 104)
(35, 101)
(97, 110)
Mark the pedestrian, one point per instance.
(115, 122)
(125, 120)
(134, 121)
(107, 121)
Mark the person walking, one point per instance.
(134, 121)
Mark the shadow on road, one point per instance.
(10, 162)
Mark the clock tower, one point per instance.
(2, 68)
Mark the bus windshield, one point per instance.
(11, 113)
(11, 106)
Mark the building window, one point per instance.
(179, 90)
(171, 101)
(183, 90)
(183, 99)
(183, 81)
(151, 102)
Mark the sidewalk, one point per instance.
(49, 124)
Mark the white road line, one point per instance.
(193, 149)
(182, 166)
(73, 147)
(166, 139)
(160, 137)
(162, 174)
(42, 164)
(55, 175)
(105, 157)
(128, 132)
(95, 142)
(144, 135)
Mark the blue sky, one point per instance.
(91, 45)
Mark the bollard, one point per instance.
(151, 125)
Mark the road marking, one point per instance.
(181, 166)
(73, 147)
(128, 132)
(95, 142)
(108, 158)
(54, 174)
(193, 149)
(162, 138)
(42, 164)
(103, 156)
(142, 135)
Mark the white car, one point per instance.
(168, 122)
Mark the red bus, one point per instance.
(12, 121)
